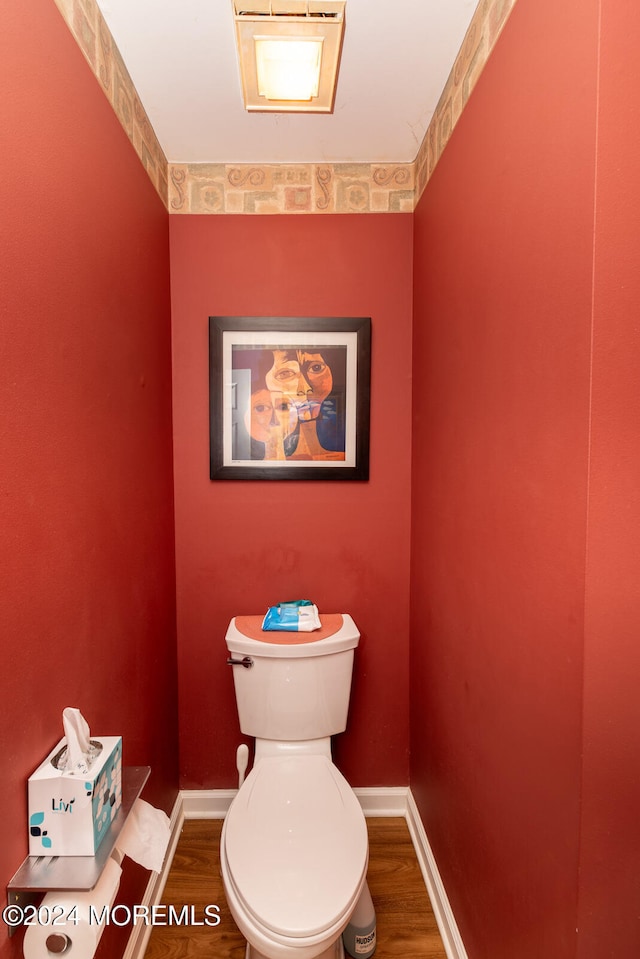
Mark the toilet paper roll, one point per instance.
(70, 922)
(145, 835)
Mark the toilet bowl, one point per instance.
(294, 845)
(294, 856)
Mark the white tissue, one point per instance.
(145, 835)
(76, 730)
(77, 917)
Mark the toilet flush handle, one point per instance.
(246, 661)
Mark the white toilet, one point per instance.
(294, 847)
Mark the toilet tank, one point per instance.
(299, 684)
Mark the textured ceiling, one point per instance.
(396, 58)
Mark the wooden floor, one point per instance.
(406, 926)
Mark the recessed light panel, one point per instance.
(289, 53)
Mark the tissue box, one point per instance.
(69, 812)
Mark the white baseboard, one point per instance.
(453, 945)
(139, 938)
(399, 801)
(214, 803)
(375, 801)
(206, 803)
(383, 800)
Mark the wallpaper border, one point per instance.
(216, 188)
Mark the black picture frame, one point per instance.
(270, 415)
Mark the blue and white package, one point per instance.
(296, 616)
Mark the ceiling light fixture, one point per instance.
(289, 53)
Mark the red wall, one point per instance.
(242, 546)
(525, 512)
(610, 886)
(87, 614)
(524, 521)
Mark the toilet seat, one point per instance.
(296, 846)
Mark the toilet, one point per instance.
(294, 846)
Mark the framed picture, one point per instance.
(289, 397)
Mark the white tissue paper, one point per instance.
(145, 835)
(78, 757)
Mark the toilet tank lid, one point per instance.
(338, 632)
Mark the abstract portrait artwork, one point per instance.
(289, 397)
